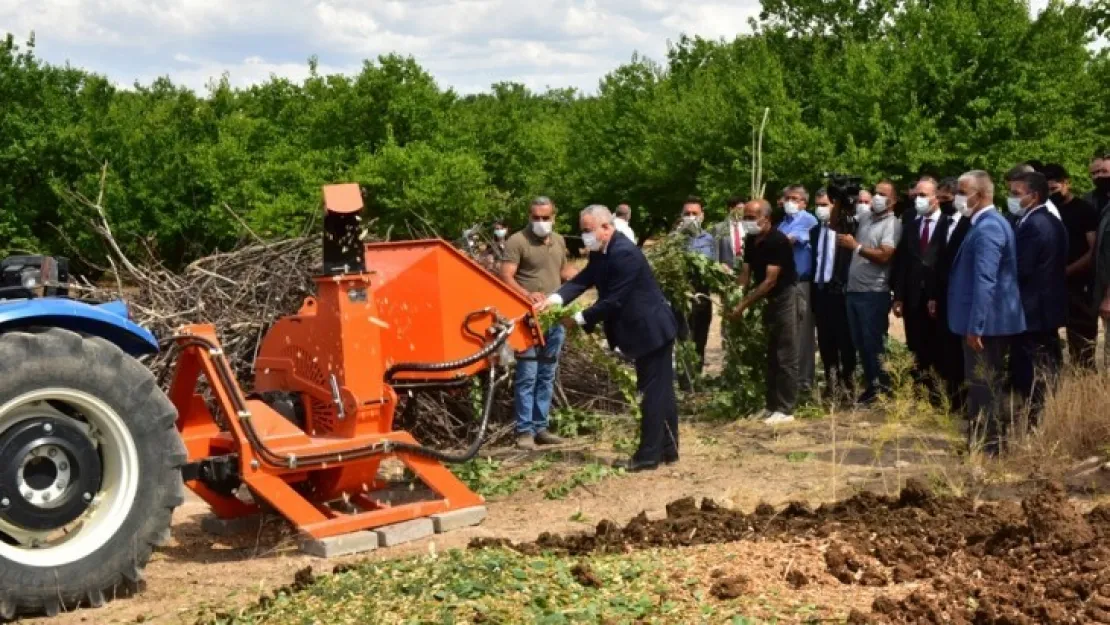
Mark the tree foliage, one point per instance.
(880, 88)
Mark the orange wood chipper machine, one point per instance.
(388, 319)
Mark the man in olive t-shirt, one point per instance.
(536, 264)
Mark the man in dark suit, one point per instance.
(984, 305)
(951, 358)
(637, 320)
(830, 263)
(730, 235)
(923, 237)
(1042, 261)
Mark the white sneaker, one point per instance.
(761, 415)
(777, 417)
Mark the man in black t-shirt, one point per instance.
(1081, 221)
(769, 264)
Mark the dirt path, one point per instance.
(739, 465)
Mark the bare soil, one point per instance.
(987, 564)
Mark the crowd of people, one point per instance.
(983, 294)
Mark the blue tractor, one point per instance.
(90, 457)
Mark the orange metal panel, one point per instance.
(343, 198)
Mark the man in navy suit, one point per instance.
(951, 359)
(1042, 262)
(984, 303)
(637, 320)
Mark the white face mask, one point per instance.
(750, 227)
(791, 208)
(500, 233)
(589, 239)
(922, 206)
(542, 228)
(960, 202)
(824, 212)
(691, 220)
(862, 208)
(878, 204)
(1014, 205)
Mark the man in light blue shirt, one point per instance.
(701, 241)
(796, 225)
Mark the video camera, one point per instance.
(846, 188)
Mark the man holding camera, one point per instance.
(868, 291)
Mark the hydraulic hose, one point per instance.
(265, 454)
(505, 329)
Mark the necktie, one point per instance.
(924, 238)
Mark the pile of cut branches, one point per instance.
(242, 292)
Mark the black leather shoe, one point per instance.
(670, 459)
(635, 466)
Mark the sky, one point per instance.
(466, 44)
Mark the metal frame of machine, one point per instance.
(387, 318)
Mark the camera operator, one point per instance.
(831, 263)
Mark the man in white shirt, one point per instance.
(623, 215)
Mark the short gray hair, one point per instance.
(599, 212)
(542, 200)
(797, 188)
(822, 192)
(624, 211)
(981, 182)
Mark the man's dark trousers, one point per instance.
(834, 340)
(701, 316)
(1036, 360)
(659, 420)
(985, 383)
(868, 320)
(1082, 327)
(781, 319)
(923, 340)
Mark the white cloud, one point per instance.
(465, 44)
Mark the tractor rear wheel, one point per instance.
(90, 471)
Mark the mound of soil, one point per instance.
(989, 564)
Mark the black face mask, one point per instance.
(948, 208)
(1057, 199)
(1102, 185)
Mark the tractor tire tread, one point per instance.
(60, 356)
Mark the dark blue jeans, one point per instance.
(868, 321)
(534, 383)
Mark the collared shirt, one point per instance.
(1051, 206)
(1030, 212)
(953, 221)
(798, 226)
(932, 219)
(865, 276)
(703, 243)
(735, 237)
(826, 254)
(623, 227)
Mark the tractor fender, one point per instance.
(108, 321)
